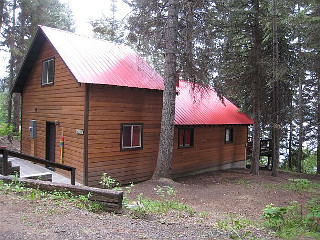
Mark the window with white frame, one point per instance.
(131, 136)
(229, 135)
(47, 72)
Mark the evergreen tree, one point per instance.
(1, 12)
(21, 24)
(109, 28)
(312, 22)
(194, 56)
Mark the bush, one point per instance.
(309, 161)
(5, 129)
(290, 222)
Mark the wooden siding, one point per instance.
(63, 102)
(108, 108)
(111, 106)
(210, 149)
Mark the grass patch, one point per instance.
(158, 206)
(291, 221)
(144, 206)
(58, 197)
(237, 228)
(244, 182)
(301, 185)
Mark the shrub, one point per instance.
(6, 129)
(290, 222)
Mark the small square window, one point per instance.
(185, 138)
(131, 137)
(47, 72)
(229, 135)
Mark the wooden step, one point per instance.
(14, 170)
(46, 176)
(11, 170)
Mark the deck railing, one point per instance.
(265, 147)
(6, 153)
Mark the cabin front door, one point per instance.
(50, 141)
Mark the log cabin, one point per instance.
(96, 106)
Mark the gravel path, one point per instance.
(25, 219)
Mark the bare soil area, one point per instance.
(214, 196)
(233, 191)
(11, 144)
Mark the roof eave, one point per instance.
(29, 61)
(213, 124)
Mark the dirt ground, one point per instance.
(217, 194)
(233, 191)
(214, 196)
(14, 145)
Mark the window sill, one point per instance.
(130, 148)
(47, 84)
(181, 147)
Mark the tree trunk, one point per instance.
(1, 12)
(318, 116)
(300, 102)
(19, 59)
(164, 161)
(318, 131)
(16, 112)
(275, 93)
(189, 73)
(255, 85)
(11, 65)
(290, 141)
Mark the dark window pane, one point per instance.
(126, 136)
(50, 71)
(47, 72)
(229, 135)
(136, 138)
(181, 137)
(187, 137)
(44, 72)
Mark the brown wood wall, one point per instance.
(111, 106)
(64, 102)
(209, 149)
(108, 108)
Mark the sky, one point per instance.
(83, 12)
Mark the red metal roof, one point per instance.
(102, 62)
(196, 105)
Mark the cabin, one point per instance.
(96, 106)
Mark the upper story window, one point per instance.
(47, 72)
(131, 137)
(229, 135)
(185, 138)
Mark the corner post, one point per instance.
(85, 141)
(4, 161)
(73, 176)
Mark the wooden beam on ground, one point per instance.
(110, 199)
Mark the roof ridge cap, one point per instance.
(83, 36)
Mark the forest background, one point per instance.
(262, 55)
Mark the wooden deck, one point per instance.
(265, 148)
(28, 168)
